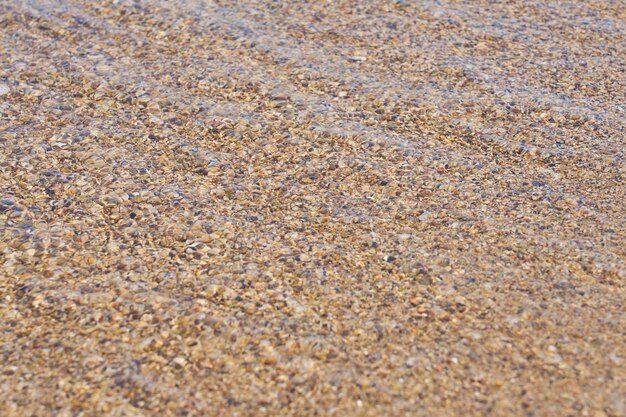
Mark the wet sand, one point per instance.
(312, 208)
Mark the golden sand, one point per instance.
(348, 208)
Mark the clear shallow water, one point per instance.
(300, 171)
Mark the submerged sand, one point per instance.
(350, 208)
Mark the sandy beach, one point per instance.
(298, 208)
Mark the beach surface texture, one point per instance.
(312, 208)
